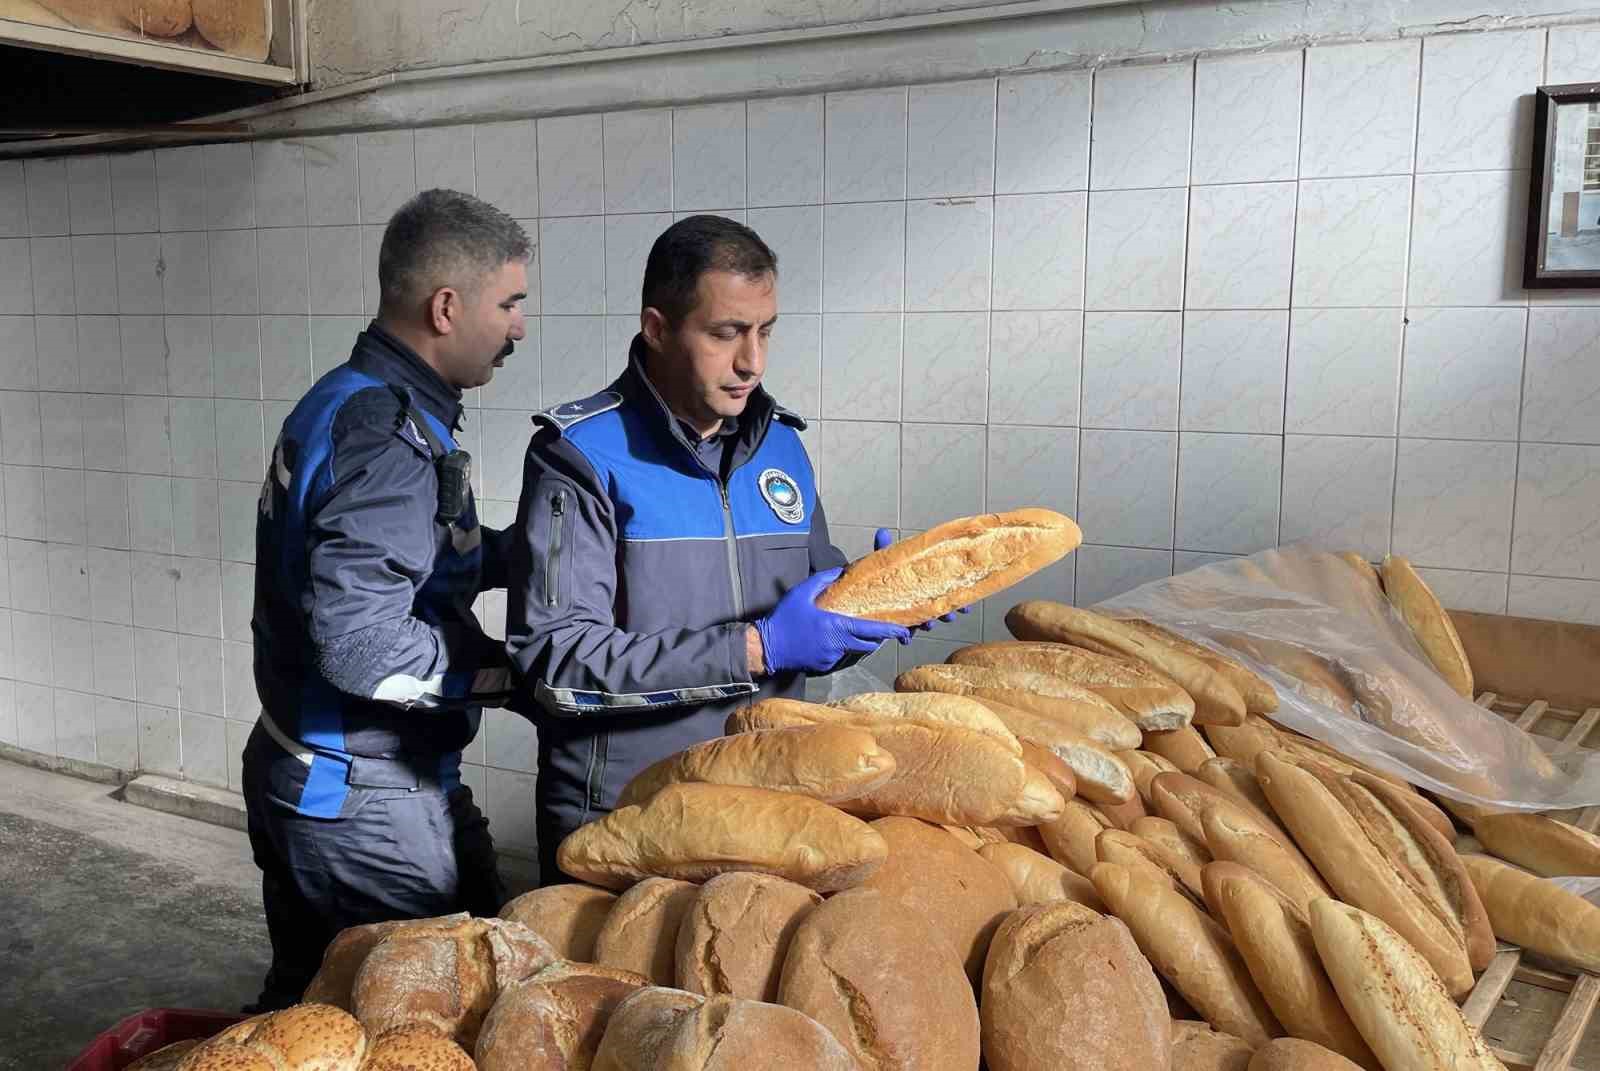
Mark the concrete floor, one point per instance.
(107, 908)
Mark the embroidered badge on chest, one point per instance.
(783, 495)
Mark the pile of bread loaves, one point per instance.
(1029, 859)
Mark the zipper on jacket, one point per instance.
(552, 563)
(598, 746)
(731, 538)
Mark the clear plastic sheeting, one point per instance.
(1349, 673)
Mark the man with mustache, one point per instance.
(670, 543)
(371, 667)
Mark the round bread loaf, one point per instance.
(445, 977)
(669, 1030)
(1197, 1047)
(878, 978)
(237, 27)
(416, 1048)
(1066, 989)
(336, 978)
(568, 916)
(240, 1032)
(553, 1020)
(641, 933)
(1293, 1054)
(736, 933)
(961, 894)
(225, 1056)
(311, 1036)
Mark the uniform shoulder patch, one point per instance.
(564, 416)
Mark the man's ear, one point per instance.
(444, 309)
(653, 326)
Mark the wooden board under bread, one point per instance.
(1539, 1019)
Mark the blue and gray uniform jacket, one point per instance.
(635, 566)
(370, 663)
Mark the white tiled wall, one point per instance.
(1203, 307)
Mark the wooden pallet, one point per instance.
(1569, 1027)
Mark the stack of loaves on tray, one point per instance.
(1027, 858)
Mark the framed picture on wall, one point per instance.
(1563, 247)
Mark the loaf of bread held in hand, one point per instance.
(1216, 700)
(1066, 989)
(694, 832)
(1393, 996)
(826, 762)
(951, 565)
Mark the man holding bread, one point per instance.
(371, 667)
(670, 544)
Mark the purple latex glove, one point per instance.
(882, 538)
(798, 635)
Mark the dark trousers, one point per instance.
(393, 854)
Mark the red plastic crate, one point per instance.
(144, 1032)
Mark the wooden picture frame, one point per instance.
(1563, 246)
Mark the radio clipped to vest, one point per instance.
(451, 465)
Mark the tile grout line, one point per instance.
(1405, 295)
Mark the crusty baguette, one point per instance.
(1235, 779)
(1075, 708)
(1413, 800)
(1099, 774)
(1259, 696)
(1038, 879)
(1537, 914)
(1065, 989)
(1197, 1047)
(1242, 743)
(1189, 950)
(951, 565)
(1357, 870)
(1070, 838)
(1125, 849)
(826, 762)
(1284, 868)
(1122, 815)
(1144, 765)
(1406, 836)
(1274, 938)
(1170, 842)
(1428, 622)
(1393, 996)
(1363, 568)
(1540, 843)
(1183, 801)
(238, 27)
(1051, 765)
(1293, 1054)
(1149, 697)
(956, 763)
(1185, 748)
(694, 832)
(1216, 700)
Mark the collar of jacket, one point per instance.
(380, 354)
(637, 390)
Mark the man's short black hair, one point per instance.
(444, 238)
(693, 246)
